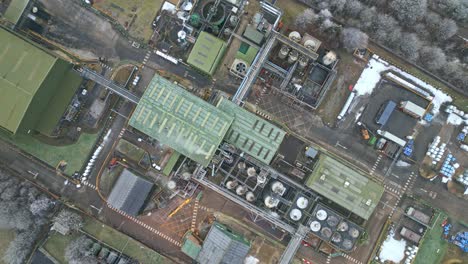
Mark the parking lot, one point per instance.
(399, 123)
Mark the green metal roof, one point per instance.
(248, 55)
(35, 86)
(206, 53)
(252, 34)
(250, 133)
(15, 10)
(179, 119)
(191, 247)
(345, 186)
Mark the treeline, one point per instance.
(24, 209)
(409, 27)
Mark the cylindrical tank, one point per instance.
(283, 53)
(321, 215)
(277, 187)
(270, 202)
(251, 172)
(241, 165)
(315, 226)
(293, 56)
(233, 20)
(303, 61)
(302, 202)
(329, 58)
(295, 214)
(310, 44)
(295, 36)
(171, 185)
(231, 185)
(241, 190)
(250, 196)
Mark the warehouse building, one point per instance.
(130, 193)
(345, 186)
(36, 87)
(221, 246)
(207, 53)
(179, 119)
(250, 133)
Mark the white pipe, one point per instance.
(345, 108)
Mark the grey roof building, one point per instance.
(221, 246)
(129, 193)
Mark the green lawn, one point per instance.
(6, 236)
(291, 9)
(120, 241)
(130, 150)
(75, 154)
(56, 244)
(433, 247)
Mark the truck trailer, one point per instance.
(412, 109)
(392, 137)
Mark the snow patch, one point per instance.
(371, 76)
(454, 119)
(392, 250)
(403, 164)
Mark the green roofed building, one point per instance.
(345, 186)
(179, 119)
(35, 86)
(15, 10)
(246, 53)
(207, 53)
(250, 133)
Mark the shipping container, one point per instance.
(392, 137)
(412, 109)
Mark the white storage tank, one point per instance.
(293, 56)
(283, 53)
(295, 36)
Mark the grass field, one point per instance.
(75, 154)
(130, 150)
(6, 236)
(56, 244)
(432, 248)
(136, 15)
(120, 241)
(291, 9)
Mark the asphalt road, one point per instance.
(86, 198)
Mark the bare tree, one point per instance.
(41, 207)
(306, 18)
(353, 8)
(20, 247)
(367, 17)
(410, 45)
(78, 251)
(432, 57)
(353, 38)
(456, 9)
(337, 5)
(69, 220)
(409, 11)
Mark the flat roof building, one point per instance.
(181, 120)
(207, 53)
(15, 10)
(36, 87)
(130, 192)
(345, 186)
(221, 246)
(250, 133)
